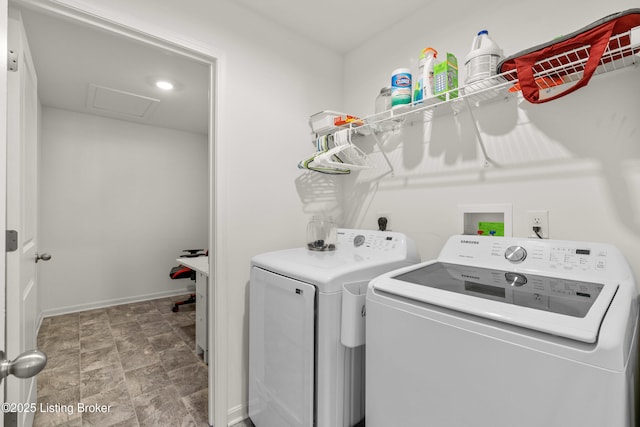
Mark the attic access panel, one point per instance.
(116, 102)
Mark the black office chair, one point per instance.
(183, 272)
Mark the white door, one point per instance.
(22, 154)
(3, 171)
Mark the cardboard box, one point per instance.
(445, 78)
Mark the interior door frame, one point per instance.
(193, 49)
(4, 18)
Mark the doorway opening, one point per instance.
(202, 123)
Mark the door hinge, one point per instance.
(12, 241)
(12, 60)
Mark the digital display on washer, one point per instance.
(569, 297)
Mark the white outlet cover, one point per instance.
(539, 219)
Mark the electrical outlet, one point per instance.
(538, 219)
(386, 215)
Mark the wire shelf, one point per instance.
(558, 71)
(568, 67)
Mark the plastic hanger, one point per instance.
(350, 156)
(340, 159)
(312, 163)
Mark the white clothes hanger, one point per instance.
(312, 163)
(344, 153)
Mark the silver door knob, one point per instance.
(26, 365)
(44, 257)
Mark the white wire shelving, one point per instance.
(552, 75)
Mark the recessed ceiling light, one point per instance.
(164, 85)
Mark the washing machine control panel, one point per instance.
(541, 255)
(554, 257)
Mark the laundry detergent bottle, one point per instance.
(423, 88)
(482, 61)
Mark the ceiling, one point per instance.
(337, 24)
(93, 71)
(88, 70)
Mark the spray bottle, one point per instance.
(423, 88)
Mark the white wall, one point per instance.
(577, 157)
(272, 81)
(119, 202)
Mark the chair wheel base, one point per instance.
(190, 300)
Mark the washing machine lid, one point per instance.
(569, 308)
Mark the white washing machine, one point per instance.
(300, 372)
(504, 332)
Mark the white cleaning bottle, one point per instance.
(482, 61)
(423, 88)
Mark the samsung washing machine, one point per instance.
(504, 332)
(306, 358)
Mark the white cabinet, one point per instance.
(201, 266)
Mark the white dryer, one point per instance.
(300, 373)
(504, 332)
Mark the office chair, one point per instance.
(182, 272)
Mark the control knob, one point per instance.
(359, 240)
(515, 254)
(515, 279)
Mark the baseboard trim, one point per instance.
(237, 414)
(109, 303)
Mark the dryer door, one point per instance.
(281, 350)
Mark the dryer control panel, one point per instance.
(371, 240)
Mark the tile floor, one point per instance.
(137, 358)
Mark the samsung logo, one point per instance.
(470, 277)
(471, 242)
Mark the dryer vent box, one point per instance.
(486, 220)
